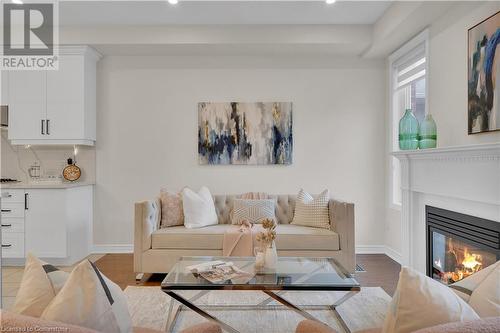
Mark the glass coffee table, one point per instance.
(291, 274)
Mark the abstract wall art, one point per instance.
(245, 133)
(484, 76)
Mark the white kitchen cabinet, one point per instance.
(45, 230)
(52, 223)
(12, 223)
(4, 89)
(55, 106)
(26, 105)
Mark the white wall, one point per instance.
(447, 81)
(147, 135)
(448, 74)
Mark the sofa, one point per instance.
(157, 250)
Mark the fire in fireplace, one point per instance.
(459, 245)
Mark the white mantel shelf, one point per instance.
(465, 179)
(487, 149)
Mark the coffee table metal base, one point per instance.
(189, 303)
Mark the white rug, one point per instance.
(149, 308)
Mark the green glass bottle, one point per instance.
(408, 131)
(427, 137)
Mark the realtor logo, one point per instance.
(30, 33)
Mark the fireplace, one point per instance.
(459, 245)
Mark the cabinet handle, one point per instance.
(26, 201)
(47, 127)
(6, 245)
(6, 210)
(43, 126)
(6, 225)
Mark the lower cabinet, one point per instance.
(54, 224)
(45, 223)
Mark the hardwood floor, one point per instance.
(381, 271)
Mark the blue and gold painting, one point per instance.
(484, 76)
(245, 133)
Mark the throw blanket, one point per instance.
(239, 240)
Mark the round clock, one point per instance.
(71, 172)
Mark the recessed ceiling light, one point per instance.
(17, 2)
(330, 1)
(173, 2)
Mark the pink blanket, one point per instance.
(239, 240)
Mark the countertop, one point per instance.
(46, 185)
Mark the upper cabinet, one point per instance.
(58, 106)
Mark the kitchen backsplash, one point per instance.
(16, 160)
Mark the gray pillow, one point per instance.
(253, 211)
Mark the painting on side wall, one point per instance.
(484, 76)
(245, 133)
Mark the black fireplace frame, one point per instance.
(473, 230)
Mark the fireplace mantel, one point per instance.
(465, 179)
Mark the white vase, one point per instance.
(271, 258)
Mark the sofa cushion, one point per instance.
(296, 237)
(290, 237)
(207, 238)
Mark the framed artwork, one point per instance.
(245, 133)
(484, 76)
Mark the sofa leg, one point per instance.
(142, 277)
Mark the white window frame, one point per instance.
(421, 39)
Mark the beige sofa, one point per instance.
(157, 250)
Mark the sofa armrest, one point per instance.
(146, 220)
(342, 222)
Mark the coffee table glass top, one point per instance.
(292, 273)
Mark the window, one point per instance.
(408, 89)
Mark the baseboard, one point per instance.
(370, 249)
(393, 254)
(112, 248)
(379, 249)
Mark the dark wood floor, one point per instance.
(381, 271)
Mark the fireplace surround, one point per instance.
(459, 245)
(462, 179)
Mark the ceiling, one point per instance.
(132, 13)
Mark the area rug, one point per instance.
(149, 308)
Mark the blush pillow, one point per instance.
(40, 284)
(91, 300)
(172, 213)
(199, 208)
(421, 302)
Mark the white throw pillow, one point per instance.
(39, 285)
(421, 302)
(485, 299)
(465, 287)
(253, 211)
(312, 211)
(91, 300)
(199, 208)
